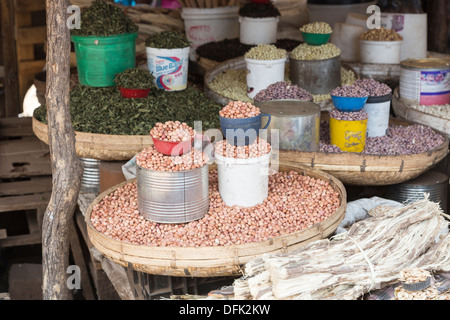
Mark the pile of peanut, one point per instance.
(151, 159)
(257, 149)
(381, 34)
(239, 110)
(295, 202)
(174, 131)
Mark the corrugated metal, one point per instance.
(90, 181)
(432, 182)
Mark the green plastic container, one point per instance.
(99, 59)
(316, 39)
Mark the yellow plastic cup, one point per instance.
(349, 136)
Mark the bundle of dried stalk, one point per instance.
(370, 256)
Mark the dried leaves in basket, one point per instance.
(167, 40)
(104, 19)
(135, 78)
(103, 110)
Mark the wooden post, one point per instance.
(66, 168)
(437, 25)
(9, 60)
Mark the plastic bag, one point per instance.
(358, 210)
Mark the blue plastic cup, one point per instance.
(242, 132)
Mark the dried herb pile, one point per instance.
(232, 48)
(167, 40)
(135, 78)
(103, 110)
(104, 19)
(259, 10)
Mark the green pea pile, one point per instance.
(317, 28)
(307, 52)
(266, 52)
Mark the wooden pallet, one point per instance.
(25, 179)
(23, 49)
(28, 35)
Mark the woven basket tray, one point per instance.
(239, 63)
(369, 170)
(439, 119)
(100, 146)
(212, 261)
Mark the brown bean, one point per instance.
(281, 213)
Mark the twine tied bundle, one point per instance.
(371, 255)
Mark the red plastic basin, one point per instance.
(134, 93)
(170, 148)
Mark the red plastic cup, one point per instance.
(170, 148)
(134, 93)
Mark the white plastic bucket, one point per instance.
(169, 67)
(205, 25)
(357, 19)
(383, 52)
(413, 28)
(243, 182)
(378, 109)
(254, 31)
(346, 37)
(262, 73)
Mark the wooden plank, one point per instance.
(29, 5)
(83, 229)
(32, 222)
(22, 19)
(77, 253)
(31, 67)
(16, 127)
(24, 158)
(21, 240)
(31, 35)
(27, 72)
(25, 52)
(3, 233)
(34, 185)
(27, 202)
(11, 83)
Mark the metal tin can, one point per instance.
(425, 81)
(173, 196)
(297, 122)
(90, 181)
(316, 76)
(349, 136)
